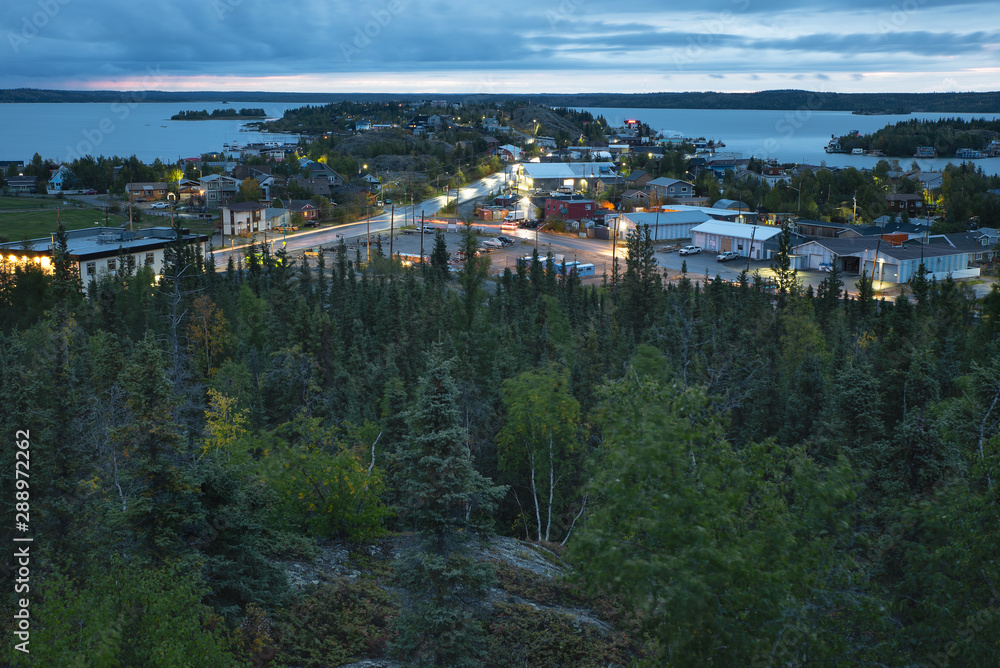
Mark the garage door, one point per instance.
(727, 244)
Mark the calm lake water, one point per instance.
(790, 136)
(62, 132)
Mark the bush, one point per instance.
(335, 624)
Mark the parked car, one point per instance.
(727, 256)
(429, 229)
(159, 205)
(493, 244)
(506, 241)
(310, 252)
(689, 250)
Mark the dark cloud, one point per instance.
(252, 38)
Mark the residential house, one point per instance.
(634, 199)
(148, 192)
(315, 186)
(100, 251)
(6, 164)
(509, 153)
(21, 184)
(60, 179)
(304, 208)
(638, 179)
(672, 188)
(321, 170)
(570, 208)
(219, 189)
(243, 218)
(912, 204)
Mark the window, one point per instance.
(91, 268)
(111, 265)
(149, 259)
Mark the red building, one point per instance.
(570, 209)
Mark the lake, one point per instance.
(62, 132)
(798, 136)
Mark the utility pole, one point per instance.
(421, 236)
(392, 223)
(368, 235)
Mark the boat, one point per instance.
(858, 151)
(163, 126)
(833, 146)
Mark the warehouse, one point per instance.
(759, 241)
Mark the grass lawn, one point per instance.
(32, 203)
(17, 226)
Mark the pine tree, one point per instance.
(447, 503)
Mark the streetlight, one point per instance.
(798, 211)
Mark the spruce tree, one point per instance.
(447, 503)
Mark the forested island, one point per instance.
(218, 114)
(946, 136)
(303, 463)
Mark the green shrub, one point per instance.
(334, 624)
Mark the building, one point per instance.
(60, 179)
(663, 226)
(638, 179)
(509, 153)
(941, 255)
(148, 192)
(716, 236)
(21, 184)
(672, 188)
(822, 230)
(219, 190)
(551, 176)
(570, 208)
(243, 219)
(912, 205)
(101, 251)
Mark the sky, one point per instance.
(517, 46)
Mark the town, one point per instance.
(498, 384)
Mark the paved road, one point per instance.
(329, 236)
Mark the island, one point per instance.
(973, 138)
(218, 114)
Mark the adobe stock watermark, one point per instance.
(900, 16)
(711, 29)
(566, 10)
(793, 121)
(47, 10)
(93, 137)
(364, 34)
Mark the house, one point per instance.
(509, 153)
(315, 186)
(21, 184)
(552, 176)
(372, 182)
(760, 242)
(5, 166)
(148, 192)
(321, 170)
(219, 189)
(243, 218)
(419, 124)
(635, 199)
(306, 209)
(929, 180)
(490, 124)
(822, 230)
(570, 208)
(672, 188)
(100, 251)
(60, 179)
(638, 179)
(912, 205)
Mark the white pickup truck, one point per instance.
(689, 250)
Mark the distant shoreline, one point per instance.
(773, 100)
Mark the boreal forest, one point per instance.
(725, 474)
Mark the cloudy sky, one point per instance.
(516, 46)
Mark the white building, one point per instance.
(760, 242)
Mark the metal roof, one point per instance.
(738, 230)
